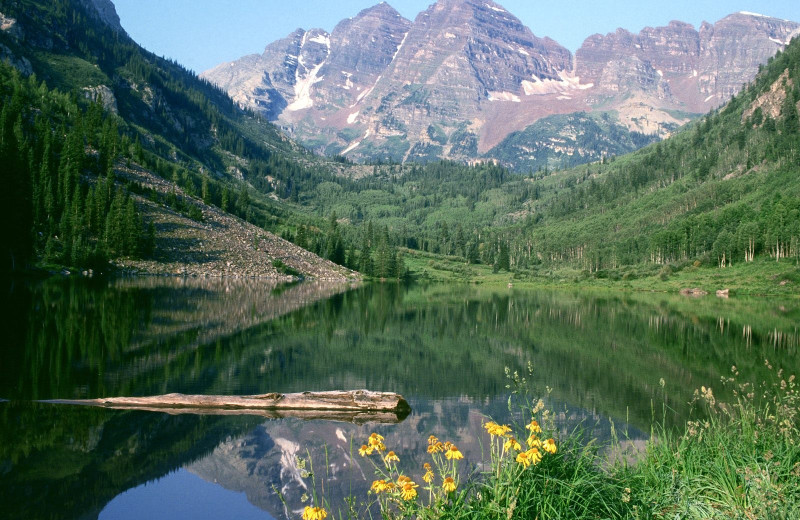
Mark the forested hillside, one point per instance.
(80, 100)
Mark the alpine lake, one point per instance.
(610, 363)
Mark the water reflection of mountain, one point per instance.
(264, 461)
(65, 463)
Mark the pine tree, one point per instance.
(226, 198)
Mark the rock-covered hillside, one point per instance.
(465, 74)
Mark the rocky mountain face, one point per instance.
(678, 67)
(466, 74)
(106, 12)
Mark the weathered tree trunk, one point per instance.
(355, 405)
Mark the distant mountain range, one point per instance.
(465, 76)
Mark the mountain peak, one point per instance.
(381, 10)
(106, 12)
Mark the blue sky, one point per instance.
(203, 33)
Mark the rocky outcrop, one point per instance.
(467, 73)
(106, 12)
(771, 102)
(22, 64)
(105, 95)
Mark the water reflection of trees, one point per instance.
(84, 338)
(443, 347)
(603, 352)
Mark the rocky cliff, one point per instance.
(465, 74)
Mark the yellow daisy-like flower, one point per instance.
(409, 491)
(314, 513)
(534, 455)
(534, 426)
(375, 441)
(432, 440)
(534, 442)
(523, 458)
(497, 430)
(453, 453)
(402, 479)
(511, 444)
(365, 450)
(449, 485)
(391, 457)
(436, 448)
(428, 477)
(550, 446)
(379, 486)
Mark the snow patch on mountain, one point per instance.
(504, 96)
(302, 90)
(566, 82)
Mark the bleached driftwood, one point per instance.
(353, 406)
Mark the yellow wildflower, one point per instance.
(511, 444)
(402, 479)
(523, 458)
(409, 491)
(314, 513)
(436, 448)
(534, 442)
(391, 457)
(376, 442)
(428, 477)
(550, 446)
(534, 455)
(534, 426)
(449, 485)
(497, 430)
(432, 440)
(365, 450)
(379, 486)
(453, 453)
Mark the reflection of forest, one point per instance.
(604, 352)
(443, 347)
(133, 336)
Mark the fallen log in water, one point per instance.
(354, 406)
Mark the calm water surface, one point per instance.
(598, 359)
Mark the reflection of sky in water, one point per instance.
(180, 495)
